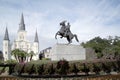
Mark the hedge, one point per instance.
(64, 67)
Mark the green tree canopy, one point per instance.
(110, 45)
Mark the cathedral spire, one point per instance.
(22, 25)
(6, 36)
(36, 37)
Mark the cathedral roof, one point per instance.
(36, 37)
(22, 25)
(6, 36)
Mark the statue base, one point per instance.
(68, 52)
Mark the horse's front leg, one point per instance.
(61, 37)
(56, 35)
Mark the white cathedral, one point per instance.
(20, 42)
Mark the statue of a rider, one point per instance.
(66, 32)
(65, 29)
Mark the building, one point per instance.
(45, 53)
(20, 42)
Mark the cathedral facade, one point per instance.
(20, 42)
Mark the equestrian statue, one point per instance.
(66, 32)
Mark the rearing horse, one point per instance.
(62, 32)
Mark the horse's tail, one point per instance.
(76, 38)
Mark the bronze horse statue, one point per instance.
(66, 33)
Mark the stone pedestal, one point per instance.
(68, 52)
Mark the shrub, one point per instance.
(62, 67)
(22, 69)
(85, 69)
(32, 70)
(46, 69)
(96, 68)
(27, 68)
(40, 69)
(114, 66)
(89, 66)
(11, 61)
(80, 67)
(45, 58)
(106, 68)
(51, 69)
(118, 65)
(74, 69)
(1, 62)
(18, 68)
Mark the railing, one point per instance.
(104, 77)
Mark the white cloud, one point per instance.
(88, 19)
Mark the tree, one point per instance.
(116, 50)
(15, 52)
(19, 55)
(31, 55)
(98, 44)
(23, 55)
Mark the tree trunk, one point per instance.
(19, 59)
(22, 59)
(27, 59)
(16, 58)
(31, 57)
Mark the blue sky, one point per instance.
(88, 18)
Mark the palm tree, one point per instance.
(20, 55)
(27, 57)
(31, 55)
(15, 52)
(23, 56)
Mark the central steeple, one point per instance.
(36, 37)
(22, 25)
